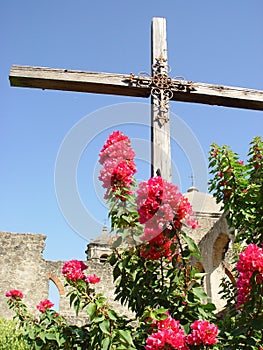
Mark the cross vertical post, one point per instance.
(160, 123)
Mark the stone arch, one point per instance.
(57, 283)
(103, 258)
(220, 248)
(199, 266)
(229, 274)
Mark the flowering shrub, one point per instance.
(250, 263)
(93, 279)
(203, 333)
(47, 331)
(155, 277)
(161, 207)
(117, 158)
(73, 270)
(169, 335)
(238, 185)
(14, 294)
(44, 305)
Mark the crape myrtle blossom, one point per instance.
(159, 205)
(169, 335)
(73, 270)
(44, 305)
(93, 279)
(117, 158)
(203, 333)
(14, 294)
(116, 146)
(159, 246)
(250, 261)
(162, 209)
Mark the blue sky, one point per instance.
(214, 42)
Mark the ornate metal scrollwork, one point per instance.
(162, 86)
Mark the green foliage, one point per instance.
(11, 337)
(171, 284)
(243, 329)
(48, 331)
(239, 187)
(124, 217)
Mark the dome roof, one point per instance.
(103, 238)
(203, 204)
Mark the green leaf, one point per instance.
(42, 336)
(112, 315)
(193, 248)
(106, 342)
(126, 336)
(199, 292)
(209, 307)
(105, 326)
(98, 319)
(50, 336)
(71, 299)
(91, 308)
(117, 243)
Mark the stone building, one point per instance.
(214, 240)
(23, 266)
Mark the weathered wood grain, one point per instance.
(73, 80)
(220, 95)
(160, 137)
(118, 84)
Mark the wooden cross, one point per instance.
(158, 85)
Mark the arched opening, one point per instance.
(219, 249)
(55, 290)
(217, 271)
(53, 295)
(103, 258)
(199, 266)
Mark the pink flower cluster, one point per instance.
(203, 333)
(250, 261)
(161, 209)
(93, 279)
(14, 294)
(157, 247)
(170, 335)
(73, 270)
(159, 204)
(44, 305)
(117, 158)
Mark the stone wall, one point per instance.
(22, 267)
(216, 247)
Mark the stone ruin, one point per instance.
(23, 266)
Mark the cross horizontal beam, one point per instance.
(121, 84)
(74, 80)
